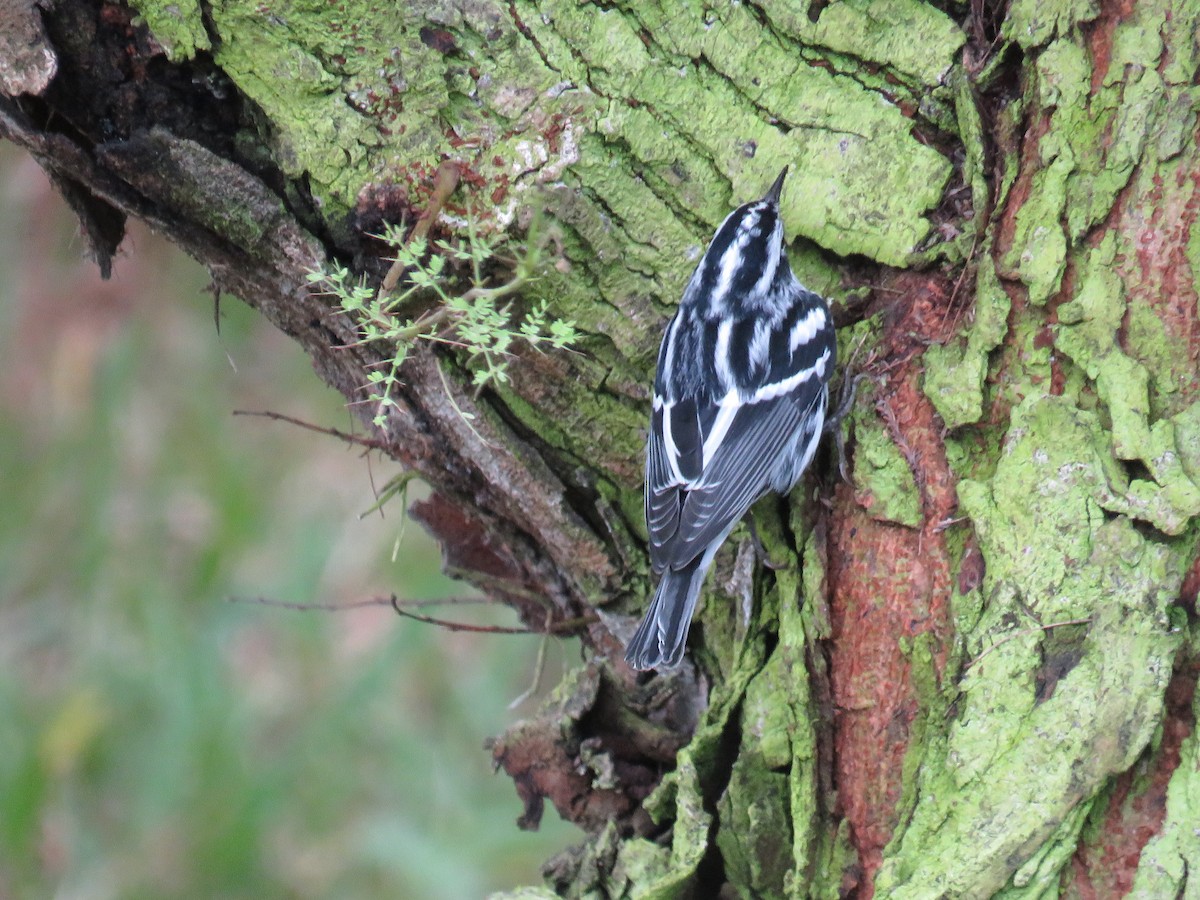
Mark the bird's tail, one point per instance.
(659, 640)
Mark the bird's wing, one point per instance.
(673, 462)
(740, 468)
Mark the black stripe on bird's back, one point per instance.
(753, 224)
(745, 374)
(784, 361)
(694, 365)
(689, 442)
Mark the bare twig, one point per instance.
(404, 607)
(564, 627)
(466, 417)
(369, 443)
(539, 666)
(216, 295)
(380, 600)
(444, 183)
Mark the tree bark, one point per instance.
(971, 671)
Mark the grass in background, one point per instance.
(157, 740)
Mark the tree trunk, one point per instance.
(972, 671)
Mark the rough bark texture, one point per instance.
(974, 675)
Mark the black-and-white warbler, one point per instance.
(739, 407)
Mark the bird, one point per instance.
(740, 398)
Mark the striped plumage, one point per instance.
(739, 406)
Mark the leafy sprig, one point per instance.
(468, 310)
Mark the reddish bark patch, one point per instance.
(1105, 866)
(377, 206)
(1029, 166)
(560, 754)
(466, 543)
(438, 39)
(1190, 589)
(1158, 224)
(919, 309)
(889, 582)
(972, 568)
(1058, 377)
(1100, 37)
(871, 679)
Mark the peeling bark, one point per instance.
(974, 673)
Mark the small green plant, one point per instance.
(466, 309)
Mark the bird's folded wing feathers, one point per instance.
(739, 472)
(673, 463)
(684, 514)
(662, 495)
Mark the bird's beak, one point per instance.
(776, 189)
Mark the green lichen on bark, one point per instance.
(178, 28)
(969, 125)
(915, 39)
(884, 483)
(210, 190)
(1094, 139)
(955, 372)
(755, 831)
(1088, 330)
(1031, 23)
(1040, 877)
(681, 797)
(362, 91)
(1074, 712)
(1069, 641)
(1168, 863)
(354, 91)
(1086, 156)
(769, 807)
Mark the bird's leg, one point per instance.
(761, 551)
(833, 422)
(848, 392)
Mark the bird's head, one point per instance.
(745, 259)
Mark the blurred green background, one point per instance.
(157, 740)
